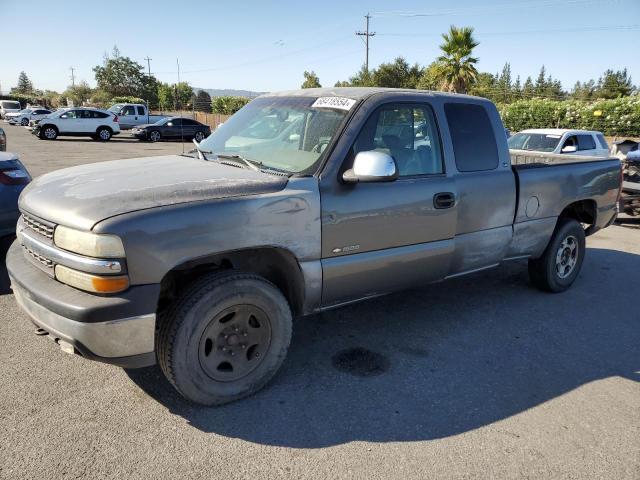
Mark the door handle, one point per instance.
(444, 200)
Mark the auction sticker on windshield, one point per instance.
(340, 103)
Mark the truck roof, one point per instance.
(557, 131)
(358, 93)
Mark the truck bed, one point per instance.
(548, 183)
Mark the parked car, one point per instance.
(78, 122)
(200, 263)
(13, 178)
(172, 128)
(557, 140)
(630, 199)
(132, 114)
(3, 141)
(9, 106)
(26, 115)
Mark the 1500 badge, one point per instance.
(347, 249)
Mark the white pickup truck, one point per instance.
(560, 141)
(133, 114)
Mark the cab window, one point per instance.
(406, 132)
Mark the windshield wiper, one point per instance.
(201, 152)
(252, 164)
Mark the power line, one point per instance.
(366, 34)
(520, 32)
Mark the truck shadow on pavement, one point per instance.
(458, 356)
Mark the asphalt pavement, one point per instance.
(478, 377)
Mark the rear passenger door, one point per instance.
(381, 237)
(485, 184)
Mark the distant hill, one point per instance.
(224, 92)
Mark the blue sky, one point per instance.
(257, 45)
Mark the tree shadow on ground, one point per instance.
(460, 355)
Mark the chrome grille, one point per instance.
(38, 226)
(39, 259)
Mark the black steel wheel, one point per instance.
(224, 338)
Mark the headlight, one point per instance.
(91, 283)
(87, 243)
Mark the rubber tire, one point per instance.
(24, 122)
(180, 330)
(542, 271)
(42, 129)
(196, 135)
(100, 139)
(151, 139)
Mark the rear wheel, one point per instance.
(154, 136)
(224, 338)
(560, 264)
(103, 134)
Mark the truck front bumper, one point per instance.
(107, 329)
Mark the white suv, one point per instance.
(78, 122)
(23, 117)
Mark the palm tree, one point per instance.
(458, 66)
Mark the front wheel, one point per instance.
(49, 132)
(225, 338)
(560, 264)
(24, 122)
(199, 136)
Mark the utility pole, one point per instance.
(149, 64)
(366, 34)
(73, 77)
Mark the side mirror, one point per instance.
(169, 124)
(569, 149)
(64, 116)
(372, 166)
(294, 137)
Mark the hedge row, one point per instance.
(618, 117)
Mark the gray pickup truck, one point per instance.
(302, 201)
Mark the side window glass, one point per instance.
(571, 141)
(474, 142)
(177, 122)
(129, 110)
(603, 141)
(406, 132)
(586, 142)
(140, 110)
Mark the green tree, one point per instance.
(431, 77)
(183, 95)
(203, 102)
(584, 90)
(311, 80)
(486, 86)
(362, 78)
(24, 85)
(614, 84)
(528, 88)
(342, 83)
(397, 74)
(459, 70)
(503, 84)
(228, 105)
(121, 76)
(166, 98)
(78, 94)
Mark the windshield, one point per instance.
(10, 105)
(116, 108)
(284, 133)
(538, 142)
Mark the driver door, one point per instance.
(381, 237)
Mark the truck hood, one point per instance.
(82, 196)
